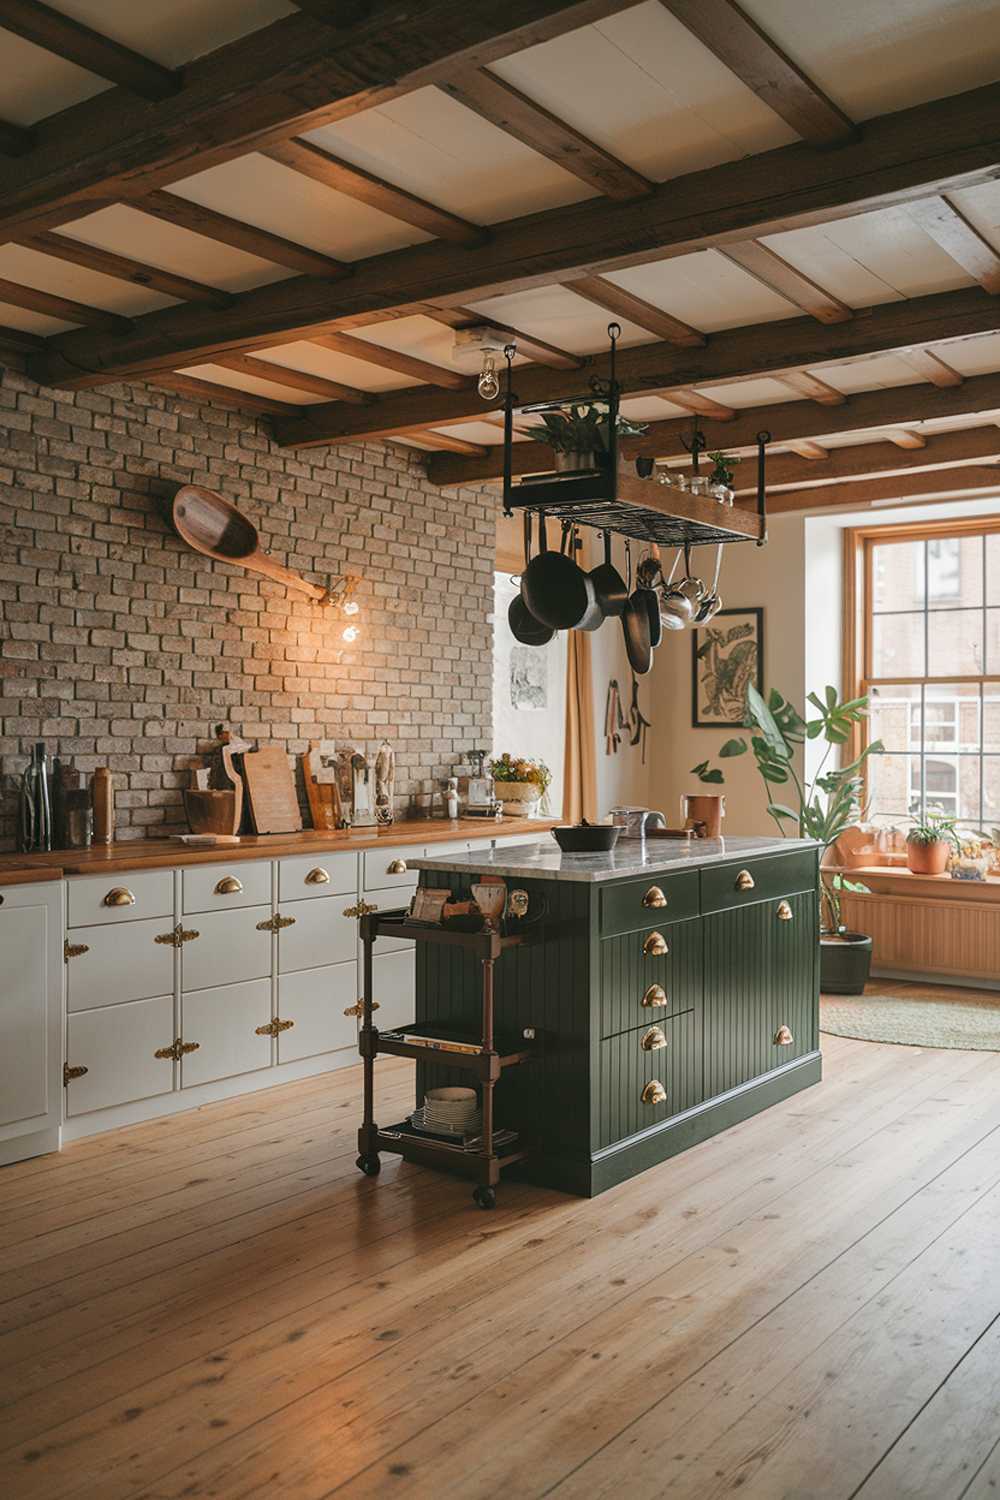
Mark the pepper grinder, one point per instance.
(102, 793)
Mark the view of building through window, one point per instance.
(932, 649)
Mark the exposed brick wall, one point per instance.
(119, 646)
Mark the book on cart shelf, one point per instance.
(435, 1039)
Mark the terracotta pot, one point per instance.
(700, 807)
(927, 859)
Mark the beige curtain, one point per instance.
(580, 755)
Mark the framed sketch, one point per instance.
(727, 655)
(529, 679)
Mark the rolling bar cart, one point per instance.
(486, 1064)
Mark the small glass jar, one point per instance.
(699, 484)
(722, 493)
(79, 820)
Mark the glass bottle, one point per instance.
(34, 813)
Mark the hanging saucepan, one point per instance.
(711, 603)
(674, 615)
(635, 626)
(647, 574)
(594, 615)
(556, 591)
(609, 585)
(523, 625)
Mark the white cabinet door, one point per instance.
(223, 1022)
(394, 987)
(118, 963)
(316, 1000)
(320, 934)
(230, 946)
(118, 1045)
(30, 1018)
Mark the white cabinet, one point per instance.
(320, 934)
(117, 1046)
(229, 946)
(304, 875)
(31, 938)
(386, 868)
(108, 965)
(316, 1000)
(224, 1023)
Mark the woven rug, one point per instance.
(972, 1022)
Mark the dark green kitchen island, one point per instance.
(652, 997)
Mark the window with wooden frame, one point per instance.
(922, 639)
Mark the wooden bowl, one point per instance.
(211, 812)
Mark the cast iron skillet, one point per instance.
(523, 625)
(556, 591)
(635, 627)
(609, 585)
(593, 616)
(646, 574)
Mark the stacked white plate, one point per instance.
(452, 1109)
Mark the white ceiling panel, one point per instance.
(31, 322)
(305, 356)
(981, 206)
(490, 434)
(47, 274)
(707, 291)
(869, 374)
(975, 356)
(562, 318)
(887, 244)
(741, 393)
(433, 147)
(875, 58)
(237, 381)
(641, 86)
(130, 232)
(172, 32)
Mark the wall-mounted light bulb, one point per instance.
(489, 384)
(350, 633)
(351, 607)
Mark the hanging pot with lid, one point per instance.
(556, 591)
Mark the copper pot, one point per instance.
(702, 807)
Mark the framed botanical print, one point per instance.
(727, 655)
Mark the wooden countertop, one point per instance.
(150, 854)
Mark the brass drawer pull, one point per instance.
(654, 897)
(70, 1073)
(744, 881)
(655, 945)
(119, 896)
(229, 886)
(783, 1037)
(74, 950)
(358, 1009)
(178, 936)
(396, 867)
(275, 924)
(654, 1092)
(653, 1039)
(273, 1028)
(784, 912)
(655, 995)
(318, 876)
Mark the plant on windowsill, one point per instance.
(579, 436)
(828, 802)
(930, 842)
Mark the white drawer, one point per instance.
(216, 887)
(303, 875)
(316, 1000)
(117, 1046)
(394, 987)
(230, 946)
(380, 872)
(224, 1022)
(319, 934)
(120, 964)
(130, 897)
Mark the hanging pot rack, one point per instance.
(624, 498)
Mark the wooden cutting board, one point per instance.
(271, 791)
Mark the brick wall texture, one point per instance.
(119, 646)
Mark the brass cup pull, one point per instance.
(358, 1008)
(229, 886)
(654, 1092)
(783, 1037)
(318, 876)
(653, 1039)
(654, 897)
(784, 912)
(119, 896)
(396, 867)
(744, 881)
(655, 945)
(655, 995)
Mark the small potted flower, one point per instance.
(579, 436)
(929, 843)
(720, 481)
(520, 784)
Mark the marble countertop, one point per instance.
(544, 860)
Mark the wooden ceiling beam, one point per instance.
(804, 383)
(124, 268)
(30, 298)
(89, 49)
(757, 61)
(877, 413)
(736, 355)
(15, 140)
(295, 380)
(959, 239)
(393, 359)
(513, 112)
(173, 209)
(947, 140)
(969, 482)
(972, 445)
(700, 404)
(806, 448)
(904, 439)
(443, 442)
(772, 271)
(932, 367)
(320, 166)
(534, 349)
(623, 304)
(214, 394)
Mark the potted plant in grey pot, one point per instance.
(578, 436)
(827, 803)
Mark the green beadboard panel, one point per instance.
(626, 974)
(625, 1069)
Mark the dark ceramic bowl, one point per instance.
(582, 838)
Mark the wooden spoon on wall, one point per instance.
(211, 524)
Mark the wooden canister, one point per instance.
(703, 808)
(102, 794)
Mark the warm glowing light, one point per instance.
(350, 633)
(489, 384)
(351, 607)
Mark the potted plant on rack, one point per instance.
(827, 803)
(520, 784)
(578, 436)
(930, 842)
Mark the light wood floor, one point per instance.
(807, 1306)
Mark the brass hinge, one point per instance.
(177, 1049)
(73, 950)
(275, 924)
(274, 1028)
(70, 1073)
(358, 1009)
(179, 935)
(362, 909)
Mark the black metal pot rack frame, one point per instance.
(626, 501)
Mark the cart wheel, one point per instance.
(370, 1165)
(486, 1197)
